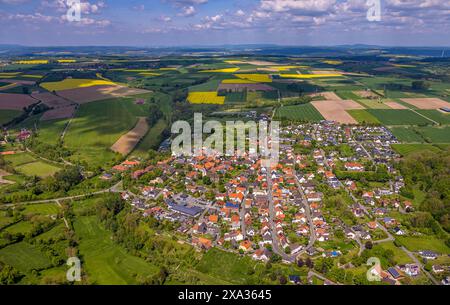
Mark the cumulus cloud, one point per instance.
(187, 11)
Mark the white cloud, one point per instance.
(187, 11)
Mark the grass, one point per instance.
(417, 243)
(398, 117)
(205, 98)
(399, 255)
(7, 115)
(436, 115)
(72, 83)
(208, 86)
(226, 266)
(24, 257)
(236, 97)
(305, 112)
(407, 149)
(50, 131)
(105, 262)
(373, 104)
(151, 140)
(19, 159)
(406, 135)
(362, 116)
(38, 168)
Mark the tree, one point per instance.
(368, 245)
(300, 262)
(420, 85)
(283, 280)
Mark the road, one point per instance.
(113, 189)
(318, 275)
(414, 258)
(312, 233)
(275, 241)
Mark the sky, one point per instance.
(154, 23)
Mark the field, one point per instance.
(407, 135)
(225, 70)
(258, 78)
(305, 112)
(336, 110)
(97, 93)
(373, 104)
(38, 168)
(426, 103)
(42, 209)
(97, 126)
(104, 261)
(436, 134)
(399, 255)
(128, 141)
(205, 98)
(436, 116)
(398, 117)
(362, 116)
(417, 243)
(151, 140)
(7, 115)
(24, 257)
(72, 83)
(59, 113)
(19, 159)
(407, 149)
(309, 76)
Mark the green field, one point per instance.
(38, 168)
(416, 243)
(24, 257)
(7, 115)
(398, 117)
(42, 209)
(236, 97)
(99, 125)
(407, 135)
(436, 115)
(152, 139)
(399, 255)
(19, 159)
(373, 104)
(362, 116)
(104, 261)
(407, 149)
(50, 131)
(304, 112)
(435, 134)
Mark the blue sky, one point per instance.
(217, 22)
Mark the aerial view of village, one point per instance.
(92, 191)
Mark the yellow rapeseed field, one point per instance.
(32, 76)
(259, 78)
(332, 62)
(226, 70)
(205, 98)
(168, 69)
(72, 83)
(66, 61)
(234, 62)
(149, 74)
(308, 75)
(32, 62)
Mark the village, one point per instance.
(334, 193)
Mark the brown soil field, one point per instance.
(59, 113)
(261, 63)
(334, 110)
(426, 103)
(250, 87)
(4, 174)
(128, 141)
(366, 94)
(15, 101)
(325, 72)
(330, 96)
(395, 105)
(51, 100)
(97, 93)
